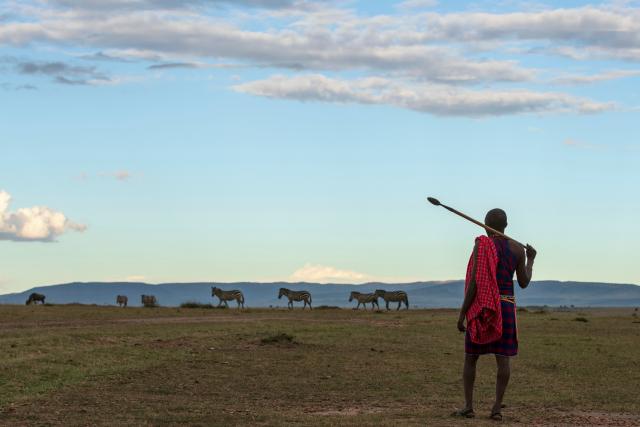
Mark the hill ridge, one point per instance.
(427, 294)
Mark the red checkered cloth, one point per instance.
(484, 317)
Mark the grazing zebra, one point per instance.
(295, 296)
(394, 296)
(225, 296)
(122, 300)
(35, 297)
(364, 299)
(149, 300)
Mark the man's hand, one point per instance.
(531, 253)
(461, 327)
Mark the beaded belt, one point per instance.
(508, 298)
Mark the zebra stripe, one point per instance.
(225, 296)
(364, 299)
(122, 300)
(35, 297)
(295, 296)
(394, 296)
(148, 300)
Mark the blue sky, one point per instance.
(263, 140)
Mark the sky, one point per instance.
(297, 140)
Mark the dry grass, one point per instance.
(76, 365)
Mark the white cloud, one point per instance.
(82, 176)
(38, 223)
(107, 5)
(120, 175)
(433, 99)
(357, 44)
(574, 143)
(157, 27)
(325, 274)
(594, 78)
(587, 53)
(442, 48)
(417, 4)
(588, 25)
(129, 278)
(61, 72)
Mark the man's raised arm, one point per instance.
(524, 271)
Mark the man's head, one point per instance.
(496, 219)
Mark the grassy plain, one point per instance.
(84, 365)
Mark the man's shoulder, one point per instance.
(516, 249)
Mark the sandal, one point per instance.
(464, 413)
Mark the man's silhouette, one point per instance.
(511, 258)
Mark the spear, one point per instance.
(436, 202)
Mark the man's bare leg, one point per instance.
(469, 378)
(502, 380)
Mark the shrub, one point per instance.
(194, 304)
(581, 319)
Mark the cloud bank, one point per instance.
(63, 73)
(461, 63)
(109, 5)
(437, 100)
(38, 223)
(593, 78)
(325, 274)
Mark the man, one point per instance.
(511, 258)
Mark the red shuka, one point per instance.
(484, 317)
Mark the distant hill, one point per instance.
(421, 294)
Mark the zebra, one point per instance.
(122, 300)
(394, 296)
(225, 296)
(364, 299)
(149, 300)
(35, 297)
(295, 296)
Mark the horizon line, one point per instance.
(442, 282)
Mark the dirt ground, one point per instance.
(82, 365)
